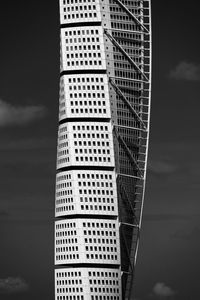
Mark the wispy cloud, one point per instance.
(12, 285)
(19, 115)
(186, 71)
(161, 167)
(160, 289)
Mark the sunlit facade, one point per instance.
(104, 112)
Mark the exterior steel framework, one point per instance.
(104, 112)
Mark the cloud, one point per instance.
(161, 167)
(19, 115)
(12, 285)
(160, 289)
(186, 71)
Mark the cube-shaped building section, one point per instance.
(102, 147)
(81, 192)
(87, 241)
(85, 144)
(88, 283)
(84, 96)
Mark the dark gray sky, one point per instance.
(168, 260)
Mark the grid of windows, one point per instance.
(79, 11)
(84, 96)
(104, 284)
(87, 283)
(86, 143)
(69, 284)
(86, 192)
(66, 242)
(63, 155)
(101, 239)
(87, 240)
(93, 143)
(64, 194)
(83, 48)
(62, 108)
(97, 192)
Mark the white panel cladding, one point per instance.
(82, 48)
(73, 11)
(86, 192)
(80, 193)
(87, 283)
(87, 241)
(85, 143)
(62, 99)
(84, 96)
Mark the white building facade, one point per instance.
(104, 112)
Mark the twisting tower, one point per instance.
(104, 112)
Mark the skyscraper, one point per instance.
(104, 110)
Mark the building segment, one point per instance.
(104, 113)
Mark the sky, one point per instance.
(168, 259)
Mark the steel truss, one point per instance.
(130, 60)
(131, 186)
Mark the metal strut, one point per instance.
(126, 196)
(119, 92)
(113, 40)
(128, 152)
(131, 79)
(131, 15)
(130, 225)
(131, 128)
(130, 176)
(127, 252)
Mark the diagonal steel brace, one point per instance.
(119, 92)
(113, 40)
(131, 15)
(119, 137)
(127, 252)
(127, 198)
